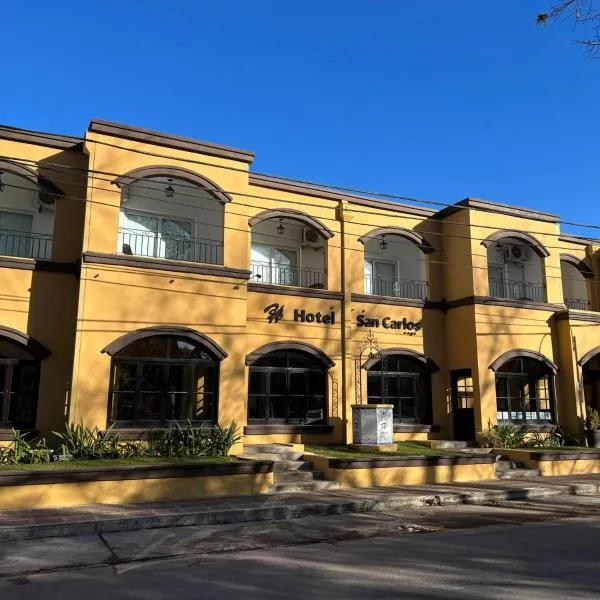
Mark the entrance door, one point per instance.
(463, 411)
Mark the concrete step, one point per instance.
(274, 456)
(506, 465)
(295, 476)
(308, 486)
(444, 444)
(518, 473)
(292, 465)
(271, 448)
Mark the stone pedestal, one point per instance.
(373, 427)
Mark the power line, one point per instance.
(414, 258)
(269, 198)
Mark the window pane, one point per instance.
(139, 234)
(151, 377)
(124, 406)
(151, 347)
(177, 391)
(125, 377)
(15, 234)
(204, 393)
(150, 407)
(176, 240)
(23, 395)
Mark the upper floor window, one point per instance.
(164, 216)
(289, 248)
(575, 274)
(516, 268)
(26, 213)
(395, 264)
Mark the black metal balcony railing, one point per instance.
(264, 272)
(170, 246)
(399, 288)
(25, 245)
(517, 290)
(577, 303)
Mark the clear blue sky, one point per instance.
(439, 99)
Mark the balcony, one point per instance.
(577, 304)
(25, 245)
(265, 272)
(517, 290)
(397, 288)
(170, 247)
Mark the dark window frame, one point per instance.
(307, 398)
(421, 398)
(166, 363)
(8, 392)
(532, 381)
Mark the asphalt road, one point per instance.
(418, 555)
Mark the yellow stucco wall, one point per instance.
(77, 319)
(405, 475)
(126, 491)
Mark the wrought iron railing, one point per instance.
(517, 290)
(170, 246)
(264, 272)
(577, 303)
(25, 245)
(399, 288)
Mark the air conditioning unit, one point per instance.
(517, 253)
(311, 237)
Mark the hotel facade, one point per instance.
(148, 278)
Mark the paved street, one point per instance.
(545, 549)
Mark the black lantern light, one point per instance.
(1, 182)
(383, 244)
(281, 227)
(499, 247)
(169, 191)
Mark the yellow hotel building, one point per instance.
(148, 278)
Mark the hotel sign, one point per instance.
(275, 313)
(407, 327)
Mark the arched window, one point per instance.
(163, 378)
(26, 212)
(525, 391)
(405, 382)
(19, 381)
(287, 386)
(289, 248)
(396, 263)
(516, 266)
(574, 274)
(171, 215)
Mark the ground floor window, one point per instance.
(591, 382)
(287, 386)
(524, 392)
(161, 379)
(19, 382)
(404, 382)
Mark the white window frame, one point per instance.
(280, 248)
(159, 236)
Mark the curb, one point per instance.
(288, 511)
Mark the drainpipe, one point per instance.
(345, 324)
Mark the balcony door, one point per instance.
(274, 265)
(380, 277)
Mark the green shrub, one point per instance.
(79, 442)
(22, 451)
(592, 420)
(501, 436)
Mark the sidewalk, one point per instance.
(73, 521)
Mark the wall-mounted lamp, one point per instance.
(499, 247)
(169, 191)
(281, 227)
(383, 244)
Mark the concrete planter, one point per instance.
(592, 437)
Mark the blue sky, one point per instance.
(438, 100)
